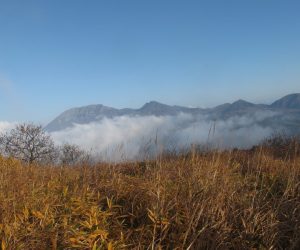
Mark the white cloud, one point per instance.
(6, 126)
(134, 137)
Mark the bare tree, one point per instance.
(28, 142)
(71, 154)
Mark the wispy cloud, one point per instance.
(11, 98)
(5, 85)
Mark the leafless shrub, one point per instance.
(71, 154)
(282, 145)
(29, 143)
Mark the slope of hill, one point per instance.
(288, 102)
(93, 113)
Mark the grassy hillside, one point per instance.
(215, 200)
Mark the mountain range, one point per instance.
(285, 113)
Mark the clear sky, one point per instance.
(63, 53)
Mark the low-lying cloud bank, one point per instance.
(138, 137)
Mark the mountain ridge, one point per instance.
(97, 112)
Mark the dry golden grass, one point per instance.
(217, 200)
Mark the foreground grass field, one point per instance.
(216, 200)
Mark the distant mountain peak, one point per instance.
(291, 101)
(154, 104)
(158, 109)
(242, 102)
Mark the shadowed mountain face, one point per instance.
(286, 113)
(288, 102)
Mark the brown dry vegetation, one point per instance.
(216, 200)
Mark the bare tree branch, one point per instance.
(28, 142)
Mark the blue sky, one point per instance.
(59, 54)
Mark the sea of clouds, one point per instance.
(129, 137)
(126, 137)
